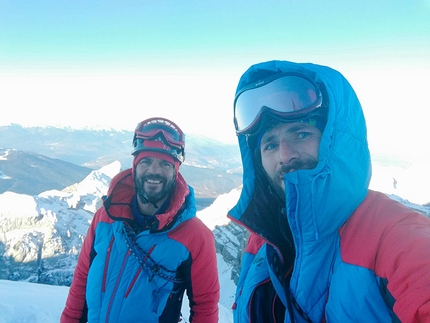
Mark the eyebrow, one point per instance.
(145, 158)
(295, 128)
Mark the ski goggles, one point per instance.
(289, 96)
(160, 128)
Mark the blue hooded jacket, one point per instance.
(322, 287)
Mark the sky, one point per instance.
(111, 64)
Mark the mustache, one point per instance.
(290, 167)
(297, 165)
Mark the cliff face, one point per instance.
(41, 236)
(230, 242)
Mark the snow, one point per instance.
(23, 302)
(5, 153)
(3, 175)
(228, 289)
(14, 204)
(216, 213)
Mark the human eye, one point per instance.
(167, 164)
(303, 135)
(145, 161)
(270, 146)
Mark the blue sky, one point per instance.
(114, 63)
(137, 34)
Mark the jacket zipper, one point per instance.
(109, 250)
(116, 286)
(132, 283)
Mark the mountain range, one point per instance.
(36, 159)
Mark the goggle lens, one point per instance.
(173, 135)
(289, 96)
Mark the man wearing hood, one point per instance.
(145, 246)
(323, 247)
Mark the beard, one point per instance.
(153, 196)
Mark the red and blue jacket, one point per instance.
(334, 251)
(117, 281)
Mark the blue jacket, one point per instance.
(344, 267)
(116, 281)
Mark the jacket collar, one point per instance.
(118, 203)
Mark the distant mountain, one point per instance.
(86, 147)
(211, 167)
(31, 174)
(96, 148)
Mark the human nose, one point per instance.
(154, 167)
(287, 152)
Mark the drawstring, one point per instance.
(290, 307)
(292, 302)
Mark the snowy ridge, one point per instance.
(41, 235)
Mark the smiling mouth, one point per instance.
(153, 181)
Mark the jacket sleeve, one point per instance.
(74, 310)
(404, 258)
(394, 242)
(204, 292)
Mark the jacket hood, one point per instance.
(319, 200)
(121, 191)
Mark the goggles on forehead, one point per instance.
(159, 129)
(289, 96)
(159, 135)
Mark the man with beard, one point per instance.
(145, 246)
(323, 246)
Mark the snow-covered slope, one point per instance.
(23, 302)
(40, 236)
